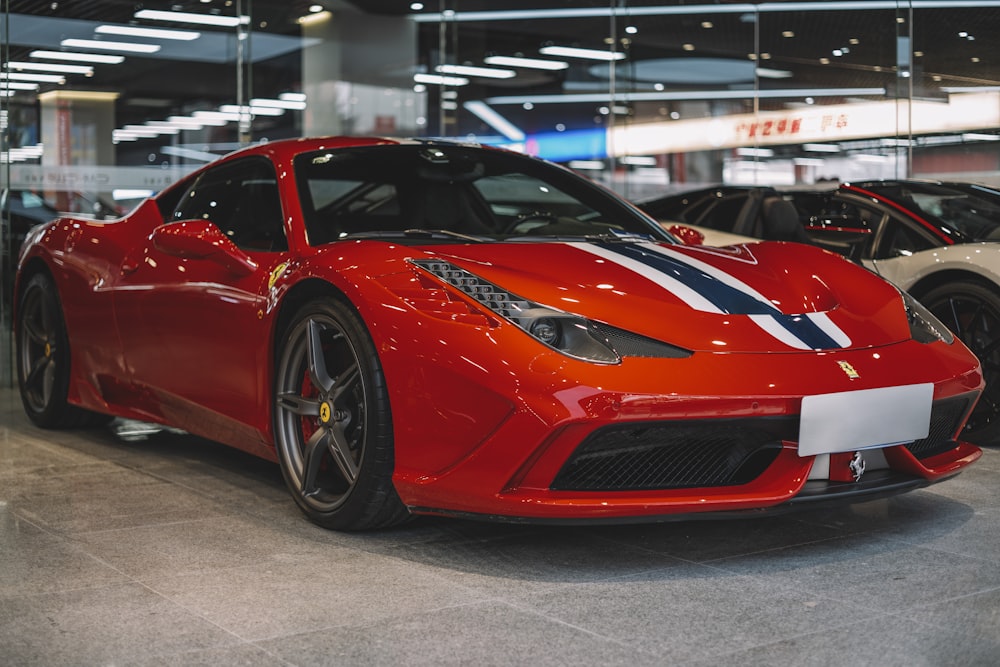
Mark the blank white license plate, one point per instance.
(853, 420)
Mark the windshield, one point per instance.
(971, 210)
(459, 192)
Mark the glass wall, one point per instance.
(103, 103)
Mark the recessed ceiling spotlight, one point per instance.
(688, 47)
(788, 33)
(315, 9)
(824, 61)
(854, 41)
(707, 25)
(631, 29)
(416, 6)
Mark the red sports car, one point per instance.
(415, 327)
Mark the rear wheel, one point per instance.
(972, 312)
(333, 425)
(43, 359)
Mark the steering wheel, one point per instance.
(543, 217)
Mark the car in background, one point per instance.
(939, 241)
(20, 210)
(421, 327)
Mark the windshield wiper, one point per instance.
(418, 234)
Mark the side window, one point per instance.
(899, 239)
(242, 200)
(724, 216)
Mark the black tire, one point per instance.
(43, 359)
(332, 421)
(972, 312)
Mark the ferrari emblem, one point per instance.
(857, 466)
(324, 412)
(276, 273)
(848, 370)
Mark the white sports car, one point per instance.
(938, 241)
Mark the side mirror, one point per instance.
(686, 234)
(200, 239)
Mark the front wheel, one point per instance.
(43, 359)
(332, 422)
(972, 312)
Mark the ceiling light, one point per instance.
(688, 47)
(574, 52)
(315, 9)
(489, 116)
(788, 33)
(438, 80)
(768, 73)
(467, 70)
(278, 104)
(50, 67)
(530, 63)
(17, 85)
(416, 6)
(256, 111)
(707, 25)
(154, 33)
(101, 45)
(631, 29)
(310, 19)
(292, 97)
(98, 58)
(187, 17)
(821, 148)
(41, 78)
(200, 121)
(224, 116)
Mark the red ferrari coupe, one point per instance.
(418, 327)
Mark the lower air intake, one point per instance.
(674, 455)
(946, 417)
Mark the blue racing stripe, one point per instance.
(727, 298)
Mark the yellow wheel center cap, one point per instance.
(48, 350)
(325, 412)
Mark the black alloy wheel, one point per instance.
(332, 422)
(972, 312)
(43, 359)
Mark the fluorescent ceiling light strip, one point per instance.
(256, 111)
(49, 67)
(187, 17)
(158, 130)
(574, 52)
(40, 78)
(17, 85)
(154, 33)
(821, 148)
(530, 63)
(468, 70)
(199, 120)
(292, 97)
(99, 58)
(602, 98)
(217, 115)
(742, 8)
(437, 79)
(278, 104)
(102, 45)
(495, 120)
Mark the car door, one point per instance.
(192, 324)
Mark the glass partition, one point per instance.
(103, 103)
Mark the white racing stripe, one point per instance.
(672, 285)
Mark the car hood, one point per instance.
(761, 297)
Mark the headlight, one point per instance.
(570, 334)
(924, 327)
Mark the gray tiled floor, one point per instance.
(177, 551)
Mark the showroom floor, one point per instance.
(170, 550)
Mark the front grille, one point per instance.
(946, 417)
(675, 455)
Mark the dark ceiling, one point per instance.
(802, 50)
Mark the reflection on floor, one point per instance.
(166, 549)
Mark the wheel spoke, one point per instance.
(33, 333)
(312, 454)
(317, 359)
(345, 381)
(35, 375)
(299, 405)
(340, 449)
